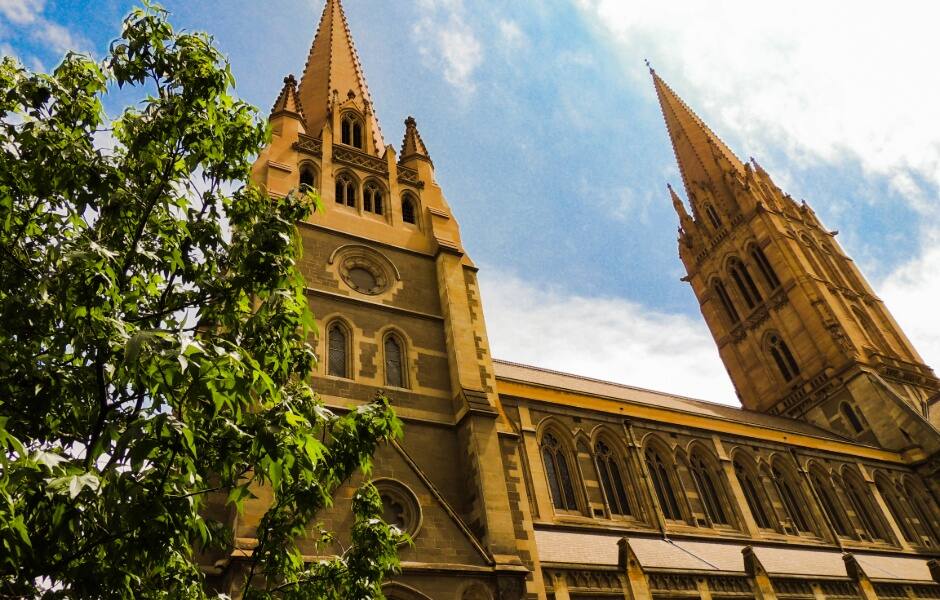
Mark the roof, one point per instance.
(602, 550)
(635, 395)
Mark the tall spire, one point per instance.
(703, 158)
(333, 65)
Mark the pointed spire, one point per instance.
(333, 66)
(677, 203)
(287, 101)
(412, 146)
(702, 156)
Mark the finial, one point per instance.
(649, 66)
(289, 80)
(410, 122)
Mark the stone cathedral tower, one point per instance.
(799, 329)
(398, 309)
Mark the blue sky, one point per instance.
(551, 149)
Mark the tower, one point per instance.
(398, 309)
(799, 329)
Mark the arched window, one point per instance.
(338, 347)
(408, 209)
(764, 265)
(755, 499)
(791, 499)
(351, 130)
(725, 300)
(707, 491)
(308, 178)
(850, 416)
(900, 516)
(372, 199)
(861, 503)
(830, 504)
(922, 510)
(611, 480)
(713, 216)
(345, 190)
(558, 473)
(394, 362)
(783, 357)
(662, 483)
(745, 283)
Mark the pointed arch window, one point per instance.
(558, 473)
(713, 216)
(707, 491)
(922, 510)
(338, 346)
(783, 358)
(755, 500)
(345, 190)
(372, 199)
(394, 362)
(851, 417)
(662, 483)
(860, 500)
(745, 283)
(611, 480)
(730, 311)
(408, 209)
(830, 505)
(900, 516)
(791, 499)
(760, 259)
(351, 130)
(308, 178)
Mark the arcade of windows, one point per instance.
(692, 489)
(747, 290)
(372, 200)
(339, 355)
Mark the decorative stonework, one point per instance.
(400, 506)
(365, 270)
(356, 158)
(307, 144)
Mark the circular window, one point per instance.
(363, 275)
(399, 506)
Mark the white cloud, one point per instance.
(911, 293)
(512, 36)
(606, 338)
(21, 12)
(58, 37)
(448, 43)
(811, 78)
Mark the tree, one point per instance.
(153, 338)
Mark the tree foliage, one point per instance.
(153, 338)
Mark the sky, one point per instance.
(549, 144)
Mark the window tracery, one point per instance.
(744, 282)
(792, 500)
(782, 357)
(663, 484)
(722, 293)
(408, 209)
(345, 190)
(351, 130)
(760, 259)
(752, 495)
(707, 491)
(372, 199)
(612, 481)
(558, 473)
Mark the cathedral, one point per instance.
(519, 482)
